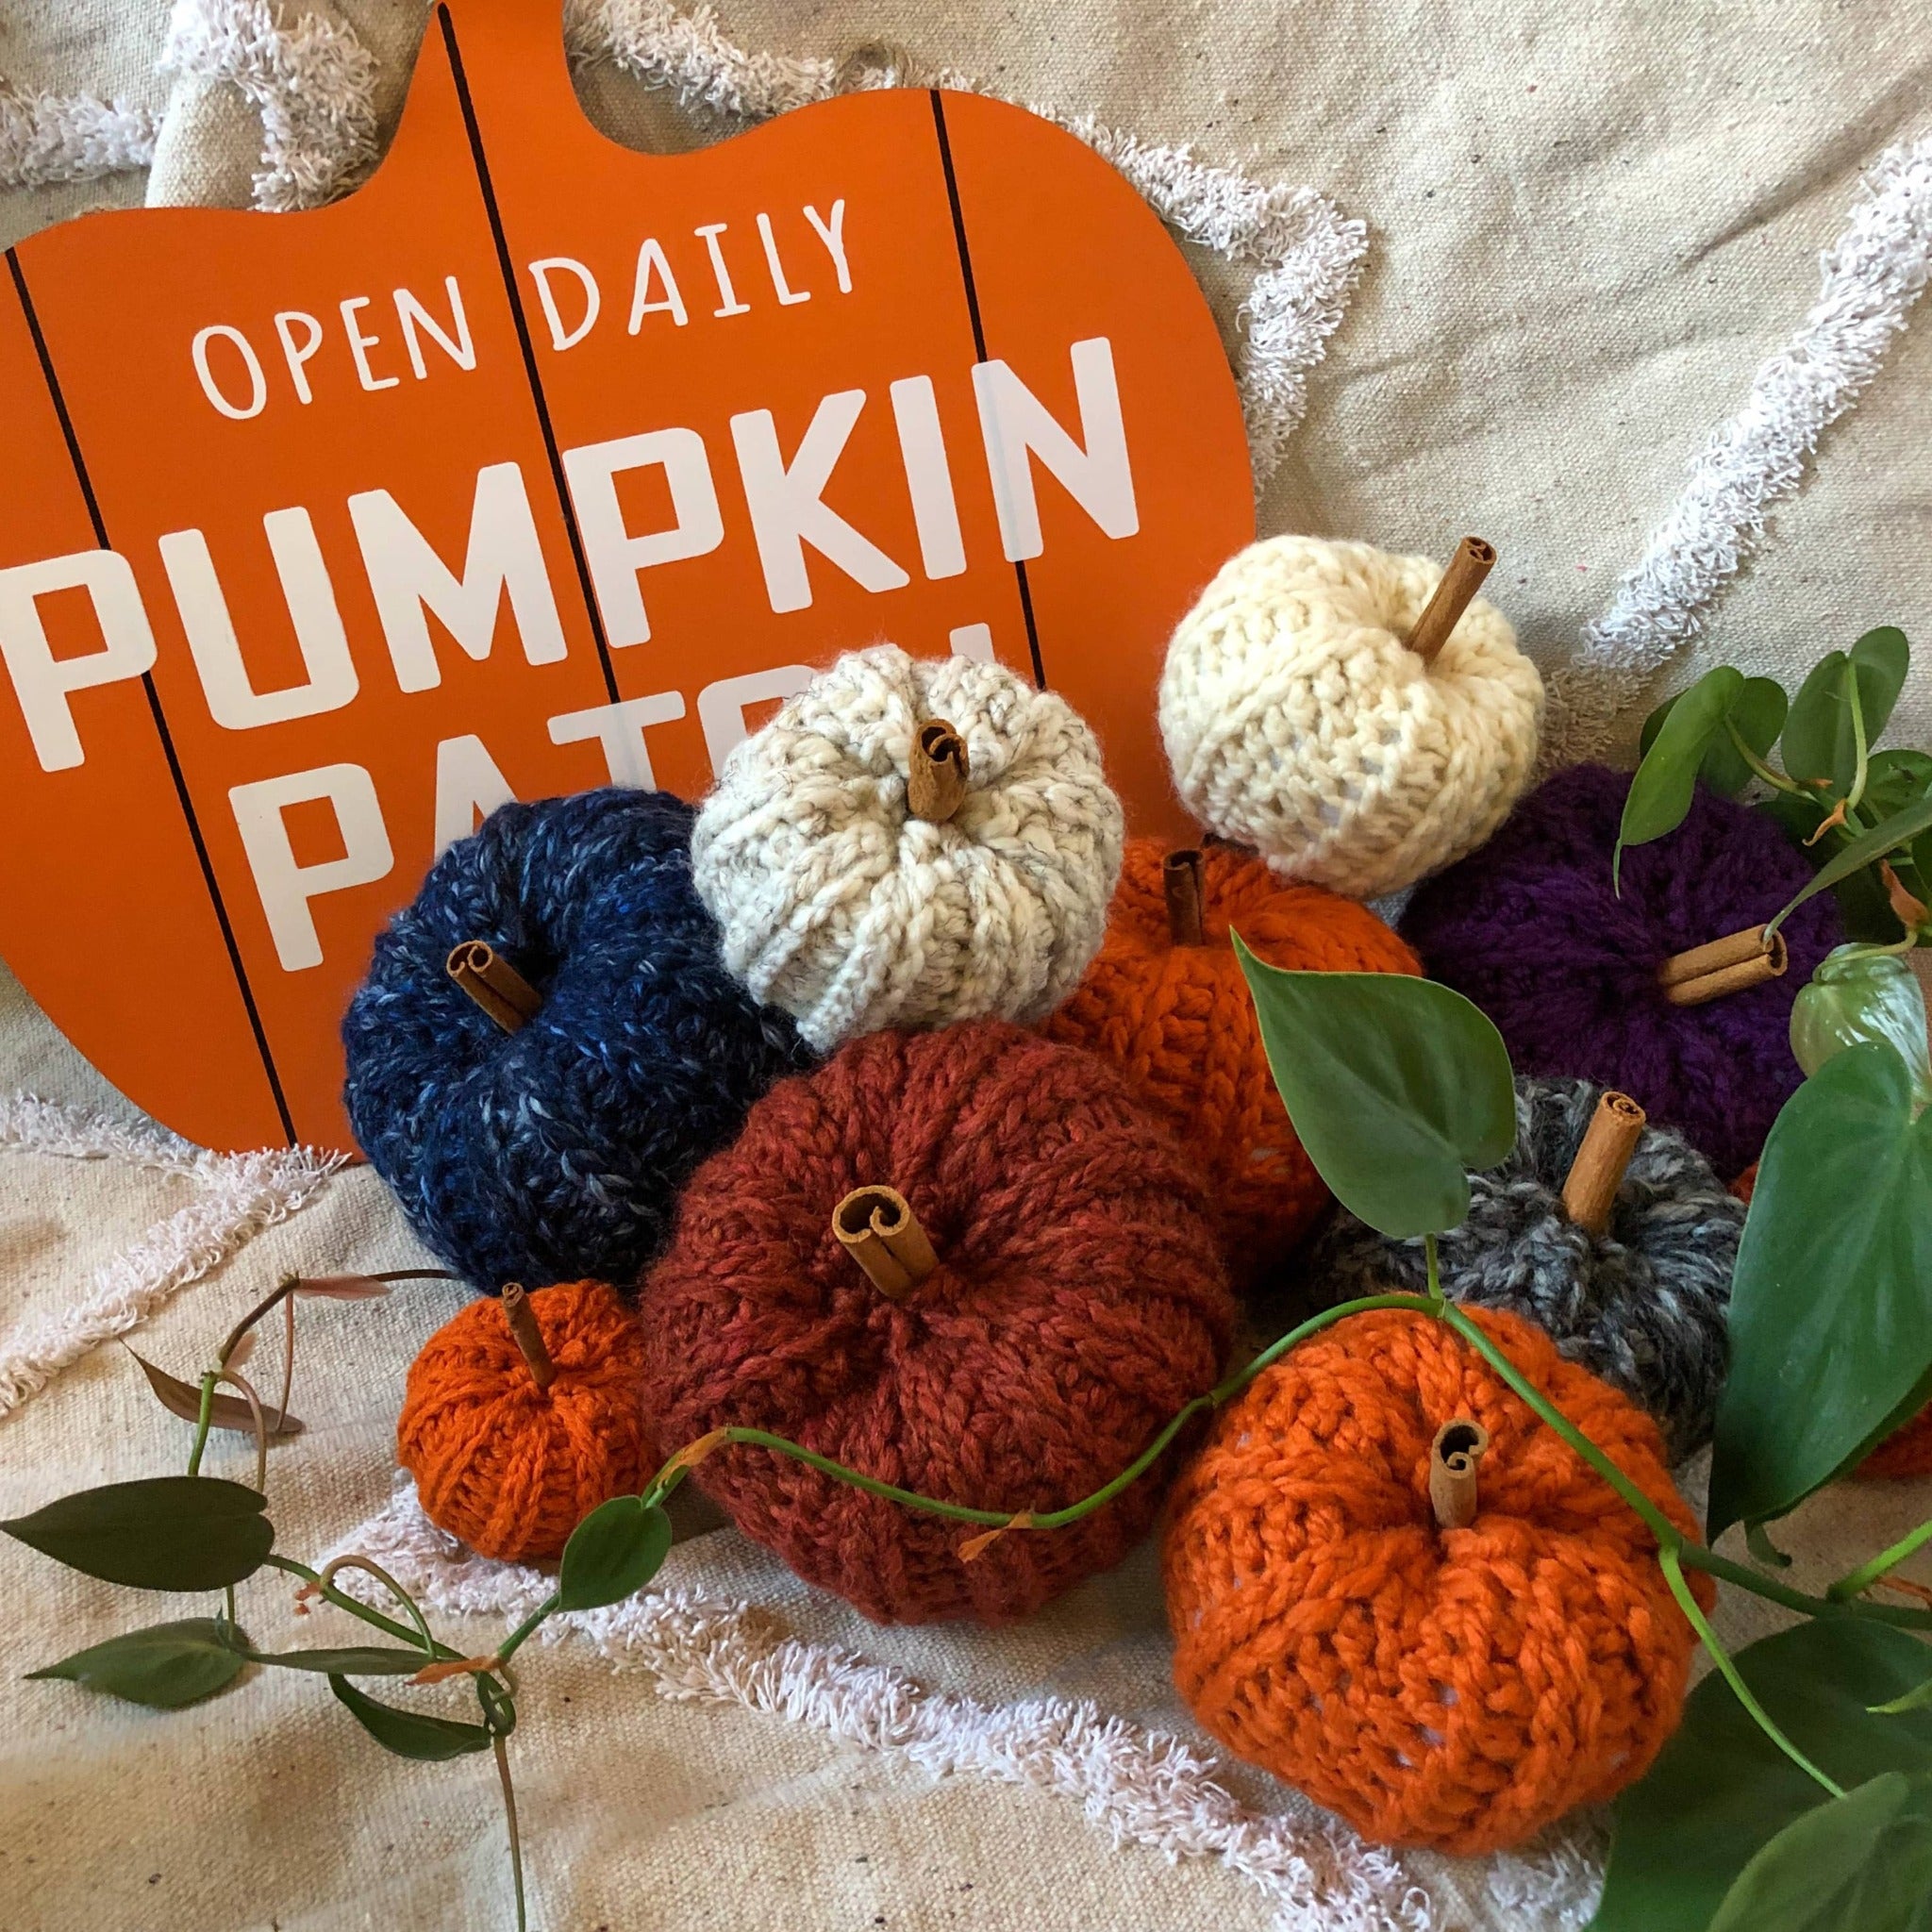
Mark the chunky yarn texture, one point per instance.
(842, 907)
(556, 1151)
(1456, 1689)
(1644, 1306)
(1903, 1454)
(1078, 1303)
(511, 1468)
(1298, 721)
(1532, 930)
(1178, 1021)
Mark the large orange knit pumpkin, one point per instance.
(1177, 1019)
(511, 1468)
(1457, 1688)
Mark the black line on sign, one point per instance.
(522, 322)
(938, 121)
(154, 705)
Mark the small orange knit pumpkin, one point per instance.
(1459, 1689)
(511, 1468)
(1177, 1019)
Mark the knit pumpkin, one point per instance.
(556, 1150)
(1903, 1454)
(844, 905)
(1077, 1303)
(1298, 721)
(1535, 932)
(1459, 1689)
(1644, 1305)
(507, 1466)
(1177, 1020)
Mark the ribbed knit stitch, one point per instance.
(840, 907)
(1298, 721)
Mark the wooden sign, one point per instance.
(535, 465)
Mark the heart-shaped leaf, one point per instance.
(410, 1733)
(1665, 781)
(1721, 1789)
(1757, 715)
(224, 1411)
(613, 1554)
(1831, 1303)
(164, 1532)
(1863, 1863)
(1397, 1087)
(355, 1660)
(1819, 740)
(164, 1667)
(1901, 828)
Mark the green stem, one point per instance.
(1866, 1575)
(1903, 1616)
(1673, 1575)
(203, 1421)
(1435, 1302)
(1776, 780)
(1863, 767)
(510, 1815)
(357, 1608)
(517, 1638)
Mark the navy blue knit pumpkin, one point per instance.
(555, 1152)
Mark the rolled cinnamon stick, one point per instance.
(494, 983)
(1738, 960)
(1471, 563)
(877, 1227)
(1180, 878)
(1453, 1457)
(1589, 1189)
(936, 783)
(526, 1335)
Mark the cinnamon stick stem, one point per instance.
(526, 1335)
(494, 983)
(936, 780)
(1471, 563)
(1738, 960)
(1180, 878)
(877, 1227)
(1453, 1457)
(1589, 1189)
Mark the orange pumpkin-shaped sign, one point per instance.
(534, 465)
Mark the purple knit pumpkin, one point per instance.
(1530, 929)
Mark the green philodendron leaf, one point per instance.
(1831, 1303)
(355, 1660)
(1920, 1699)
(1819, 740)
(165, 1532)
(1397, 1087)
(1663, 784)
(409, 1733)
(613, 1554)
(1895, 778)
(1757, 715)
(164, 1667)
(1863, 1863)
(1721, 1789)
(1901, 828)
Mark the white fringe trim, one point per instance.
(1143, 1787)
(240, 1195)
(49, 138)
(1868, 280)
(313, 83)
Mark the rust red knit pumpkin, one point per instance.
(1457, 1688)
(1903, 1454)
(511, 1468)
(1178, 1021)
(1077, 1303)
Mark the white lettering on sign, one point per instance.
(651, 261)
(469, 786)
(563, 335)
(620, 729)
(251, 362)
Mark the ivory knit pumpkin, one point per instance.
(1077, 1303)
(842, 907)
(1457, 1688)
(511, 1468)
(1178, 1021)
(1298, 721)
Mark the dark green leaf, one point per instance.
(1920, 1699)
(224, 1411)
(1396, 1088)
(1819, 740)
(1901, 828)
(613, 1554)
(1662, 786)
(409, 1733)
(164, 1667)
(1721, 1788)
(355, 1661)
(1895, 779)
(165, 1532)
(1863, 1863)
(1831, 1303)
(1757, 715)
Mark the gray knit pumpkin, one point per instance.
(1643, 1306)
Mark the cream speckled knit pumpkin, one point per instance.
(1298, 722)
(840, 907)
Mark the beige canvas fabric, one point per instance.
(1588, 230)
